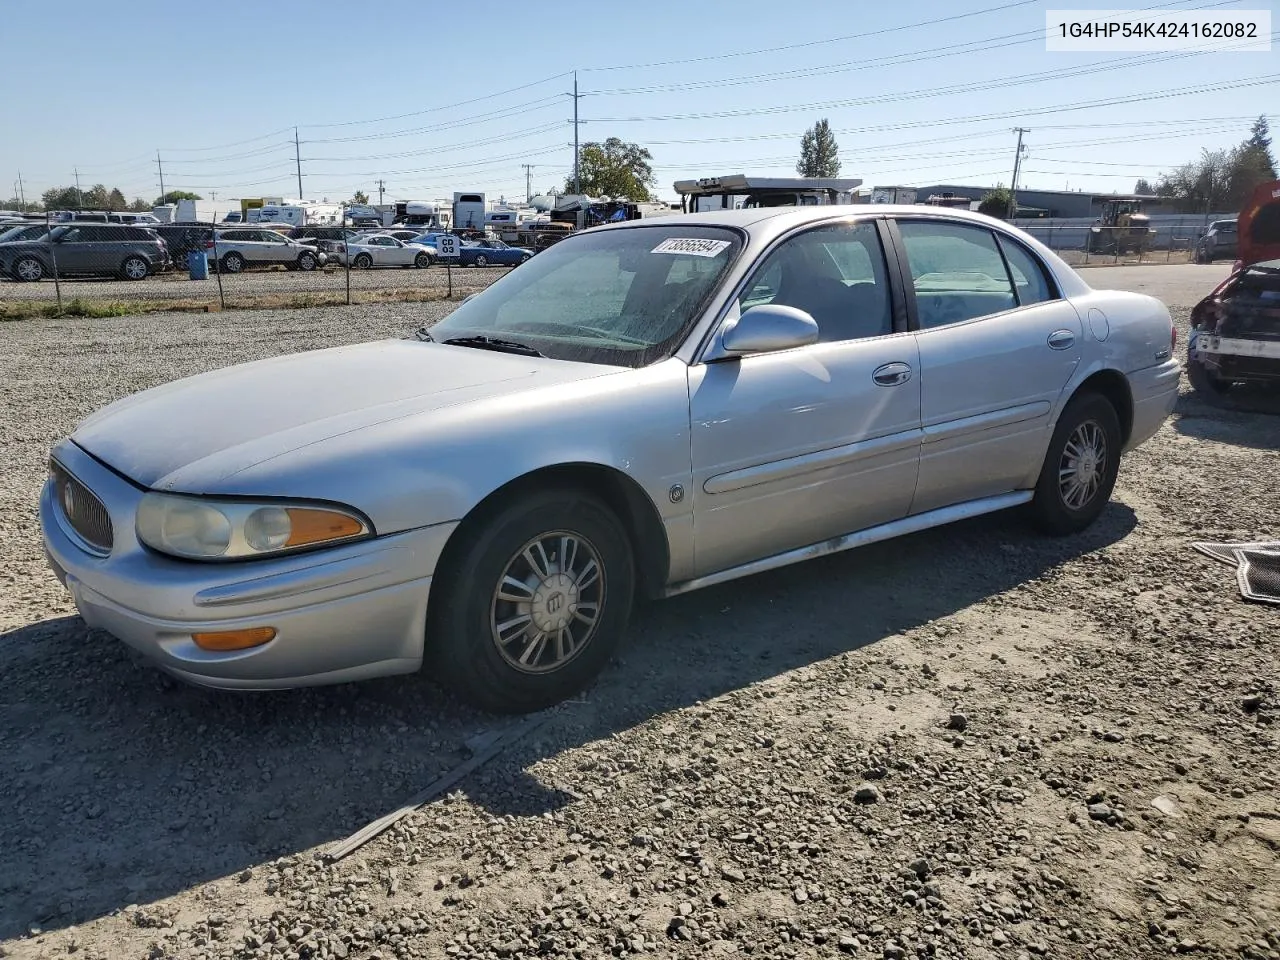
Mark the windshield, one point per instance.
(616, 296)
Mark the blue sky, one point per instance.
(382, 91)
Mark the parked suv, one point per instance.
(1218, 242)
(87, 249)
(240, 247)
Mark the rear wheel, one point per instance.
(535, 602)
(28, 269)
(481, 260)
(134, 268)
(1080, 466)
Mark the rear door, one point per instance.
(998, 345)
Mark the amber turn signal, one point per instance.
(223, 640)
(317, 526)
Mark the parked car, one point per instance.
(485, 498)
(382, 251)
(407, 236)
(496, 253)
(183, 238)
(1235, 330)
(141, 219)
(86, 249)
(1218, 242)
(240, 247)
(308, 234)
(23, 231)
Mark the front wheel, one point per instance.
(233, 263)
(1080, 467)
(306, 261)
(363, 262)
(525, 258)
(422, 260)
(1208, 387)
(533, 603)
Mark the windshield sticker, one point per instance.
(693, 246)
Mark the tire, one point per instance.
(525, 258)
(28, 269)
(306, 261)
(134, 268)
(481, 260)
(363, 262)
(1068, 504)
(1209, 388)
(467, 610)
(422, 260)
(233, 263)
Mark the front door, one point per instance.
(794, 447)
(998, 345)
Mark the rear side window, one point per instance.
(1030, 281)
(957, 271)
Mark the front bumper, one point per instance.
(344, 614)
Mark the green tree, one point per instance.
(139, 206)
(1143, 187)
(116, 200)
(61, 198)
(995, 203)
(360, 197)
(819, 152)
(614, 169)
(173, 196)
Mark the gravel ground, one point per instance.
(253, 283)
(972, 742)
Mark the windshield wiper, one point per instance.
(492, 343)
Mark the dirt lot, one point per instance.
(972, 742)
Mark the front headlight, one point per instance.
(198, 529)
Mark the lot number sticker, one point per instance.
(692, 246)
(447, 247)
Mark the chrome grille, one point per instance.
(83, 511)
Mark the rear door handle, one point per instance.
(1061, 339)
(892, 374)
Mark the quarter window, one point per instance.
(957, 272)
(1029, 279)
(834, 273)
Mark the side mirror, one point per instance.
(769, 327)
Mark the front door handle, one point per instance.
(1061, 339)
(892, 374)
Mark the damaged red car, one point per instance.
(1235, 330)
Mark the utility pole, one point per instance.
(381, 190)
(79, 195)
(160, 167)
(528, 181)
(1017, 162)
(297, 156)
(577, 182)
(22, 195)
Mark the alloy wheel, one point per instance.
(546, 606)
(1083, 465)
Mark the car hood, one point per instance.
(226, 421)
(1258, 228)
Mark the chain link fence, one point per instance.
(51, 266)
(1082, 241)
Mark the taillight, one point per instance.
(208, 244)
(1173, 338)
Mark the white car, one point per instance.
(384, 251)
(241, 247)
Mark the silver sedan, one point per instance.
(645, 408)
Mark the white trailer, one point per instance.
(740, 190)
(301, 214)
(468, 211)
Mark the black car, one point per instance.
(182, 238)
(1218, 242)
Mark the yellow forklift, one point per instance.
(1122, 228)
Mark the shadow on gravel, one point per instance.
(1248, 416)
(121, 786)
